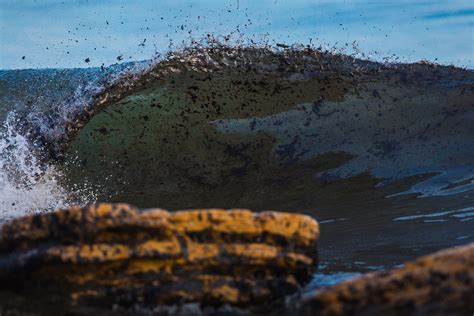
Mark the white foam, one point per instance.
(27, 184)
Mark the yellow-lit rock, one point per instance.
(115, 254)
(437, 284)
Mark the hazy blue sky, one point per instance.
(53, 33)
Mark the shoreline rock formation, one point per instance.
(114, 259)
(111, 255)
(438, 284)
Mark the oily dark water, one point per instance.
(382, 155)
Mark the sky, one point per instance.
(87, 33)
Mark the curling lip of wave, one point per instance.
(126, 79)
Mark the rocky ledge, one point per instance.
(437, 284)
(114, 259)
(111, 255)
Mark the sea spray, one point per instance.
(27, 184)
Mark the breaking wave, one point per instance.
(355, 143)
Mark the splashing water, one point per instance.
(28, 184)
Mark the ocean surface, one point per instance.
(324, 109)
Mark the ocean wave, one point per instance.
(283, 128)
(394, 120)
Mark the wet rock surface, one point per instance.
(114, 259)
(437, 284)
(115, 256)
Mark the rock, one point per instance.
(437, 284)
(113, 255)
